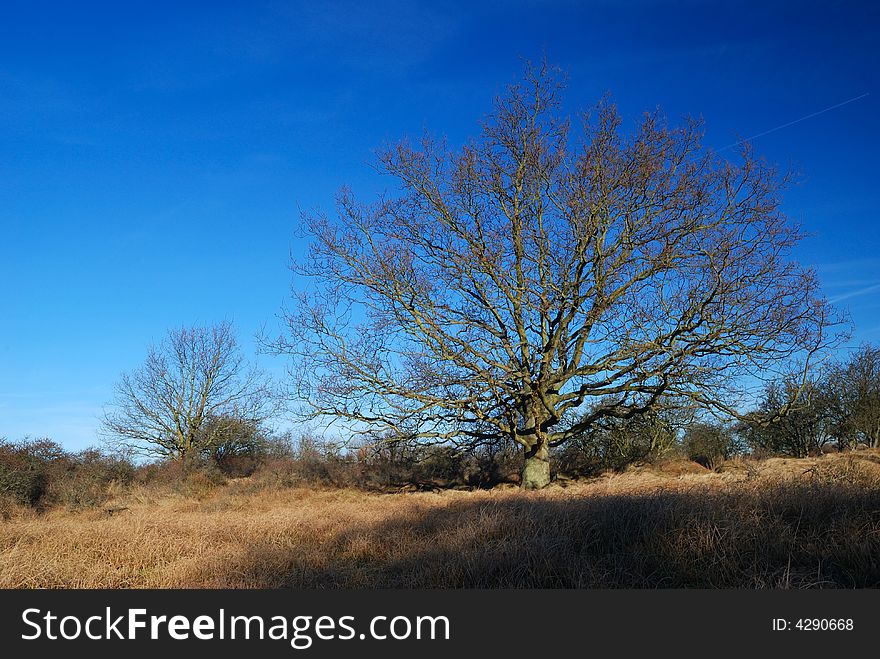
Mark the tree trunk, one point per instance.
(536, 470)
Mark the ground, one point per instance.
(812, 522)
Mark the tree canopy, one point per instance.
(547, 275)
(193, 391)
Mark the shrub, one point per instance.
(499, 462)
(708, 444)
(85, 479)
(195, 477)
(24, 469)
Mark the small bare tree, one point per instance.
(855, 390)
(804, 430)
(535, 282)
(193, 389)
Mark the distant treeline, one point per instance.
(837, 410)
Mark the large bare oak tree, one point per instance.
(541, 279)
(192, 391)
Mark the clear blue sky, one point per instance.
(153, 156)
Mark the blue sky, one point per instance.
(154, 156)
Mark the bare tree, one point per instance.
(804, 429)
(709, 444)
(855, 390)
(614, 442)
(191, 392)
(236, 446)
(539, 280)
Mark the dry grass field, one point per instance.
(781, 523)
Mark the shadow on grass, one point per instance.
(781, 536)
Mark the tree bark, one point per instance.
(536, 470)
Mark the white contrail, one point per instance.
(797, 121)
(861, 291)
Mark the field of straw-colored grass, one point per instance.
(777, 523)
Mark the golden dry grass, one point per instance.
(780, 523)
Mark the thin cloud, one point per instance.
(855, 293)
(852, 264)
(850, 283)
